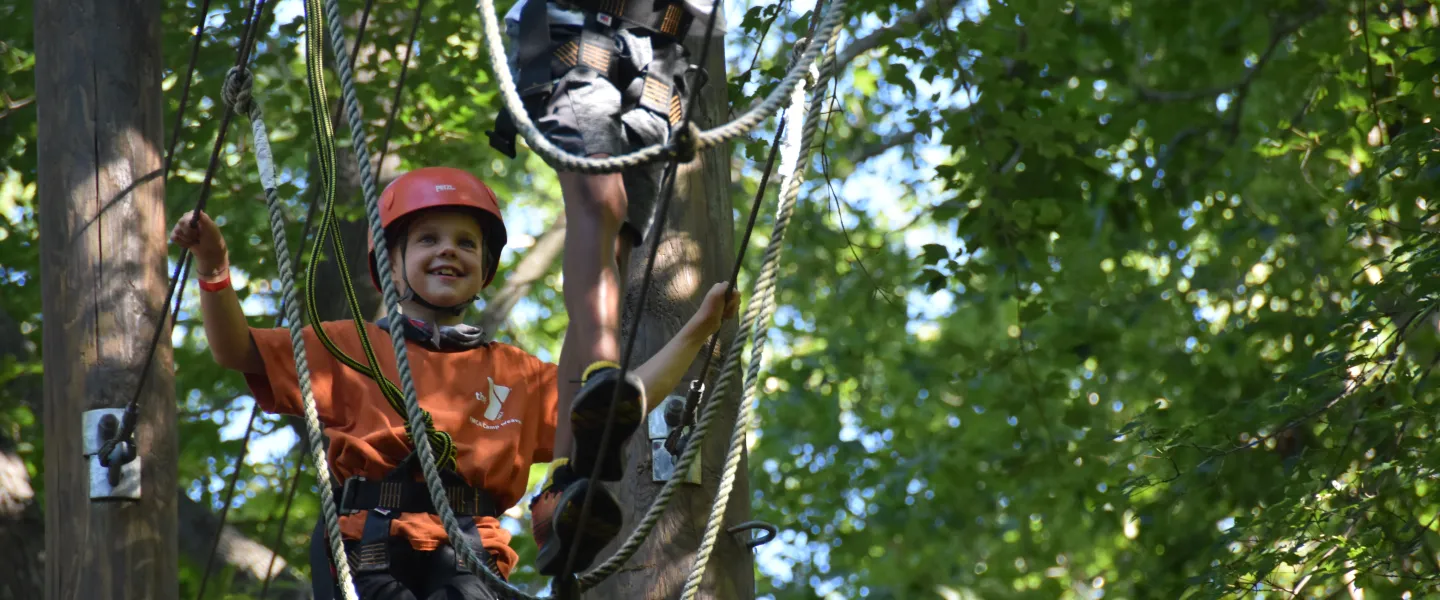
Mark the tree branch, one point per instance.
(869, 151)
(532, 267)
(937, 10)
(247, 558)
(1279, 34)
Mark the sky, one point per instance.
(886, 174)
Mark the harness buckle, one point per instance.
(347, 495)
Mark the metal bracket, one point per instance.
(661, 421)
(117, 477)
(767, 533)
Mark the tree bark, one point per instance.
(696, 251)
(102, 241)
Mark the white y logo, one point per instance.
(498, 395)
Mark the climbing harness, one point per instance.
(597, 45)
(685, 143)
(383, 501)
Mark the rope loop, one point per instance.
(236, 93)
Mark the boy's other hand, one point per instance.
(202, 238)
(715, 309)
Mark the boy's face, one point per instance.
(443, 257)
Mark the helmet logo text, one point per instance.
(444, 188)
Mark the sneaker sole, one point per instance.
(601, 528)
(587, 422)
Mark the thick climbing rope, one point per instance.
(762, 304)
(126, 434)
(685, 143)
(693, 446)
(418, 420)
(565, 583)
(238, 88)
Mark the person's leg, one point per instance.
(593, 290)
(444, 581)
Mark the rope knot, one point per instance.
(235, 93)
(686, 143)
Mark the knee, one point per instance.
(594, 200)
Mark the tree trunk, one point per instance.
(697, 251)
(102, 241)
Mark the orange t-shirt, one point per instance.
(497, 402)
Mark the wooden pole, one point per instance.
(698, 250)
(103, 268)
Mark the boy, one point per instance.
(444, 234)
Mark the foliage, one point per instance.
(1120, 297)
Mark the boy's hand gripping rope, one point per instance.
(762, 305)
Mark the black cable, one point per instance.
(177, 291)
(229, 498)
(185, 89)
(692, 401)
(280, 528)
(667, 186)
(399, 90)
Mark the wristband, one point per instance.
(215, 286)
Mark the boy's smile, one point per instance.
(440, 257)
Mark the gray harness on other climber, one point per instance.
(539, 61)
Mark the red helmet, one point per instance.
(437, 187)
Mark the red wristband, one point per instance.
(215, 286)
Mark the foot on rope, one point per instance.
(555, 517)
(590, 410)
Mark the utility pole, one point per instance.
(103, 246)
(697, 251)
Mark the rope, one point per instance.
(692, 448)
(238, 95)
(765, 289)
(657, 230)
(418, 419)
(564, 161)
(325, 139)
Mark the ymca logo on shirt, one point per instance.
(494, 406)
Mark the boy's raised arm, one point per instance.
(664, 370)
(225, 327)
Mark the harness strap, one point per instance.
(359, 494)
(666, 17)
(384, 501)
(664, 75)
(540, 62)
